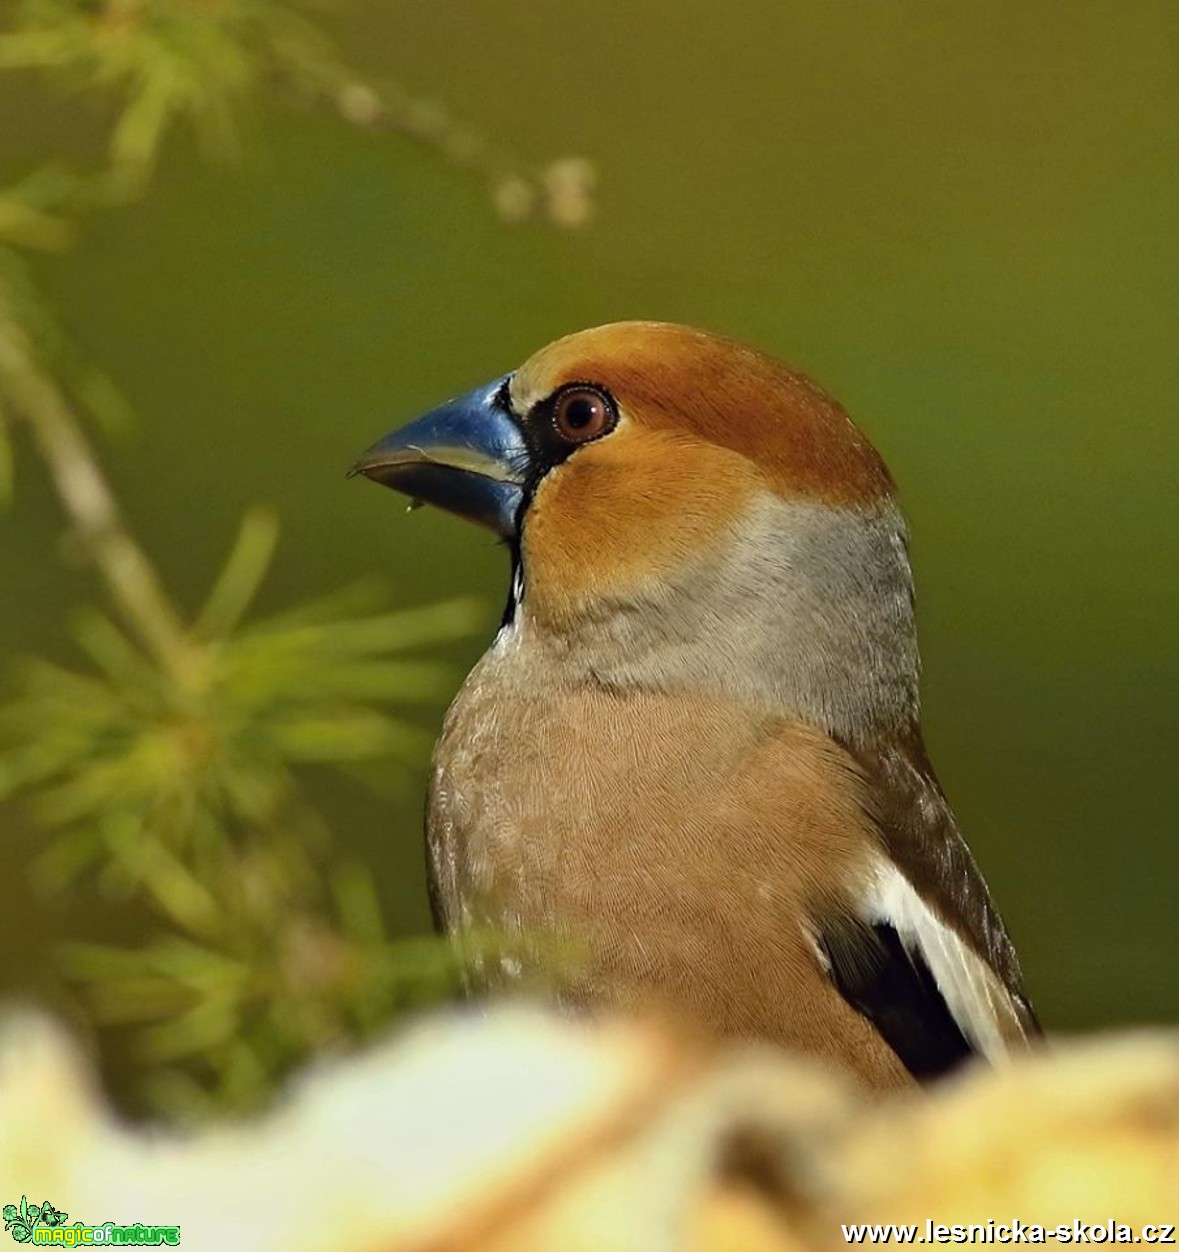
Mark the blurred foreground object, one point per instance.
(520, 1131)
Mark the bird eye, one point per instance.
(582, 413)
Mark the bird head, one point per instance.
(683, 510)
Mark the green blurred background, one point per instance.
(962, 219)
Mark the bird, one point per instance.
(692, 754)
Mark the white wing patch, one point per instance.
(977, 1000)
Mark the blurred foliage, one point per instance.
(166, 60)
(202, 62)
(169, 768)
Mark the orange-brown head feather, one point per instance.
(705, 425)
(703, 386)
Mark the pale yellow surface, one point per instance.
(521, 1132)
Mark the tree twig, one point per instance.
(87, 498)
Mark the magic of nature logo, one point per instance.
(42, 1223)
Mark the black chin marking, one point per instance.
(515, 587)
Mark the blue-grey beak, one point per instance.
(468, 457)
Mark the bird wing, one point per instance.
(895, 989)
(923, 953)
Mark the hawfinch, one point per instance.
(692, 753)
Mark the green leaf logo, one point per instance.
(21, 1222)
(17, 1221)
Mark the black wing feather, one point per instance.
(895, 990)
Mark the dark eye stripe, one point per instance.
(549, 444)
